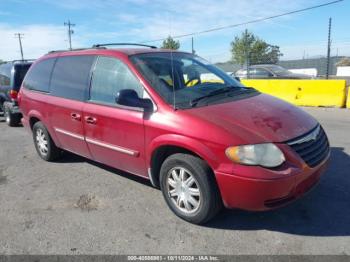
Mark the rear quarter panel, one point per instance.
(35, 104)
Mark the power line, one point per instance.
(248, 22)
(19, 36)
(70, 32)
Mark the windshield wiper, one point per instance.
(216, 92)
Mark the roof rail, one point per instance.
(74, 49)
(119, 44)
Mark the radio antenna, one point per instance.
(173, 77)
(172, 63)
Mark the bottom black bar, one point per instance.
(219, 258)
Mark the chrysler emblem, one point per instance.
(312, 136)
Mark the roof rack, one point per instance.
(74, 49)
(119, 44)
(100, 46)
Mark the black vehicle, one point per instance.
(269, 71)
(11, 77)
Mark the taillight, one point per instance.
(13, 94)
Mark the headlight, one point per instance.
(267, 155)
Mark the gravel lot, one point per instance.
(79, 207)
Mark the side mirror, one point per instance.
(129, 97)
(237, 78)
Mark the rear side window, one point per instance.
(260, 72)
(70, 77)
(20, 72)
(109, 77)
(5, 74)
(38, 78)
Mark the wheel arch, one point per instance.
(167, 145)
(35, 116)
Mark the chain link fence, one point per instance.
(294, 65)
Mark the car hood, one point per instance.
(257, 119)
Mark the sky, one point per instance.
(109, 21)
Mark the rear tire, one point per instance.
(189, 188)
(44, 144)
(11, 119)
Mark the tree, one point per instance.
(170, 43)
(257, 51)
(344, 62)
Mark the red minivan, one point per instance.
(201, 136)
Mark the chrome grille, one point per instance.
(312, 147)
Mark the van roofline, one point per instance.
(125, 51)
(102, 46)
(124, 44)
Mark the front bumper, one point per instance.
(263, 194)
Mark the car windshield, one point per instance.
(183, 79)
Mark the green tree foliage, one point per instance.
(255, 49)
(170, 43)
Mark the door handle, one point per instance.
(75, 116)
(90, 120)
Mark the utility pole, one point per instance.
(193, 52)
(329, 46)
(70, 32)
(19, 36)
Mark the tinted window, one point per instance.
(5, 74)
(20, 72)
(110, 76)
(260, 72)
(70, 77)
(38, 78)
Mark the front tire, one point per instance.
(44, 144)
(189, 188)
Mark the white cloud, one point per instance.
(37, 40)
(152, 19)
(182, 17)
